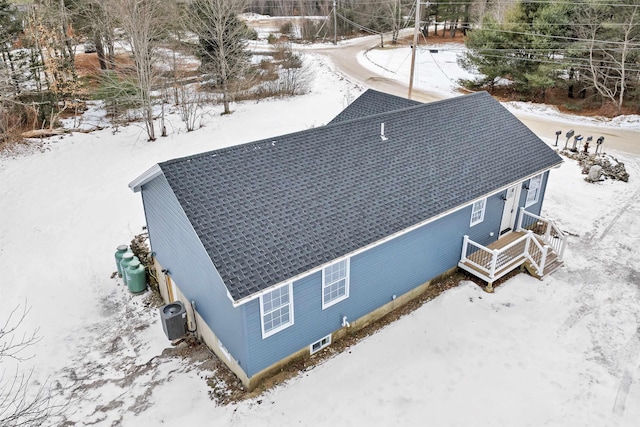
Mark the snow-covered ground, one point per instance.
(564, 351)
(436, 65)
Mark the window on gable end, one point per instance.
(533, 193)
(335, 283)
(276, 310)
(477, 212)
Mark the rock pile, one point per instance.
(611, 168)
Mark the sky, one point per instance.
(564, 351)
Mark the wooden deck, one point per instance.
(506, 262)
(538, 245)
(506, 240)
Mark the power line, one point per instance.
(560, 37)
(502, 54)
(566, 24)
(507, 2)
(360, 27)
(460, 3)
(569, 60)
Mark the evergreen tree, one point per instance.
(485, 50)
(527, 49)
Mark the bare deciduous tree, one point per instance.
(612, 49)
(22, 404)
(190, 105)
(92, 19)
(293, 75)
(222, 37)
(142, 22)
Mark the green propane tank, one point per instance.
(127, 257)
(136, 277)
(126, 270)
(120, 250)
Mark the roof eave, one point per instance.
(256, 295)
(148, 175)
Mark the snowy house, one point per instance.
(284, 243)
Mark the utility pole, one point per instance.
(416, 28)
(335, 23)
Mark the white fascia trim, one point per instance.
(148, 175)
(293, 279)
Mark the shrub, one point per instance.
(286, 28)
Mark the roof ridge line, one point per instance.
(233, 148)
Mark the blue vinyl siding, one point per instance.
(178, 249)
(392, 268)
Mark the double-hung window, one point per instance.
(477, 212)
(276, 310)
(335, 283)
(533, 193)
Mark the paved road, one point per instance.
(344, 58)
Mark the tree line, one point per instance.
(589, 46)
(145, 51)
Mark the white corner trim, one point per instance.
(148, 175)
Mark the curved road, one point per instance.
(345, 59)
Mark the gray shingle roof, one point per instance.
(373, 102)
(271, 209)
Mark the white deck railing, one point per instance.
(536, 253)
(545, 229)
(492, 264)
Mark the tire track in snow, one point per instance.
(632, 353)
(586, 304)
(625, 208)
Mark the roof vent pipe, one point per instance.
(384, 138)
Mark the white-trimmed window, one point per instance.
(533, 193)
(477, 212)
(320, 344)
(276, 310)
(335, 283)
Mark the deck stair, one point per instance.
(552, 263)
(537, 245)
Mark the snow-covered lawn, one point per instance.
(436, 65)
(560, 352)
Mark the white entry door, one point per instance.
(510, 210)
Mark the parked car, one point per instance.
(89, 47)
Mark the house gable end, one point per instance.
(179, 250)
(373, 102)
